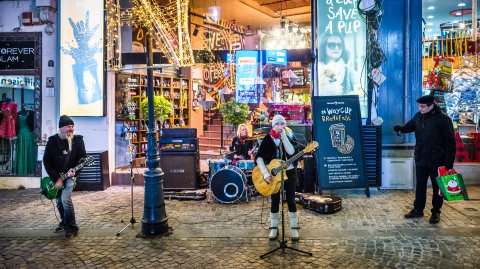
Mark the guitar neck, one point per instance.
(75, 170)
(294, 158)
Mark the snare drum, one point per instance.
(228, 184)
(214, 165)
(245, 165)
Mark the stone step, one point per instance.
(226, 134)
(212, 147)
(214, 141)
(218, 127)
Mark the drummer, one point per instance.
(241, 146)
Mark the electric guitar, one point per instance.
(48, 186)
(276, 167)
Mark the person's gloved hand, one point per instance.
(397, 128)
(449, 166)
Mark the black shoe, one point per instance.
(435, 218)
(413, 214)
(59, 228)
(69, 234)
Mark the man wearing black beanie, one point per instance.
(435, 147)
(63, 152)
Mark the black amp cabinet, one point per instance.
(181, 170)
(94, 177)
(372, 141)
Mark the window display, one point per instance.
(17, 139)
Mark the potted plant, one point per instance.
(161, 107)
(234, 113)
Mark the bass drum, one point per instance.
(228, 184)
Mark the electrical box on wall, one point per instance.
(397, 173)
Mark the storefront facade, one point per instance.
(399, 37)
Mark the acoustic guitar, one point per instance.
(48, 186)
(276, 167)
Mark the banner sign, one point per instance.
(17, 55)
(338, 128)
(81, 58)
(246, 76)
(341, 51)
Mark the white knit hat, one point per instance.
(278, 118)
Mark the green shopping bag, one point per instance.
(452, 187)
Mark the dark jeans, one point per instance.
(65, 207)
(290, 186)
(423, 173)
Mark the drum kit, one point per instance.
(231, 181)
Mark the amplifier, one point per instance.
(181, 170)
(178, 144)
(179, 133)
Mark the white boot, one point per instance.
(293, 225)
(273, 226)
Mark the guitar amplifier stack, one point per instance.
(180, 159)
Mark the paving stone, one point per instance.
(366, 233)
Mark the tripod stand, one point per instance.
(132, 219)
(283, 242)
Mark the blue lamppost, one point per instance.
(154, 221)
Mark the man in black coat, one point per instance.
(62, 153)
(435, 146)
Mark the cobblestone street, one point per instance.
(366, 233)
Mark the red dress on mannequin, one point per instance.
(7, 127)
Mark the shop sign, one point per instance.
(337, 125)
(25, 82)
(17, 55)
(276, 57)
(246, 74)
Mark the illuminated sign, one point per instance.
(276, 57)
(17, 55)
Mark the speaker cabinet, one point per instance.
(309, 173)
(181, 170)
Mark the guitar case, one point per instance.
(323, 204)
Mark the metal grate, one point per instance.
(372, 140)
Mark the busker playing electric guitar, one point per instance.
(280, 144)
(62, 152)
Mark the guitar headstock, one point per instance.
(311, 147)
(87, 161)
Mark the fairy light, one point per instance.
(167, 23)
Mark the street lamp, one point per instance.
(154, 220)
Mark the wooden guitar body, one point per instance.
(264, 188)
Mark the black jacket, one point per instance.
(268, 150)
(241, 149)
(57, 150)
(435, 138)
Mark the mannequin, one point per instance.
(7, 127)
(25, 151)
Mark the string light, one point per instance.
(168, 25)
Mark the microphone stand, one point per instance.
(131, 152)
(283, 243)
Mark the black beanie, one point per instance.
(65, 121)
(426, 99)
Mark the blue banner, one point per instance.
(246, 76)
